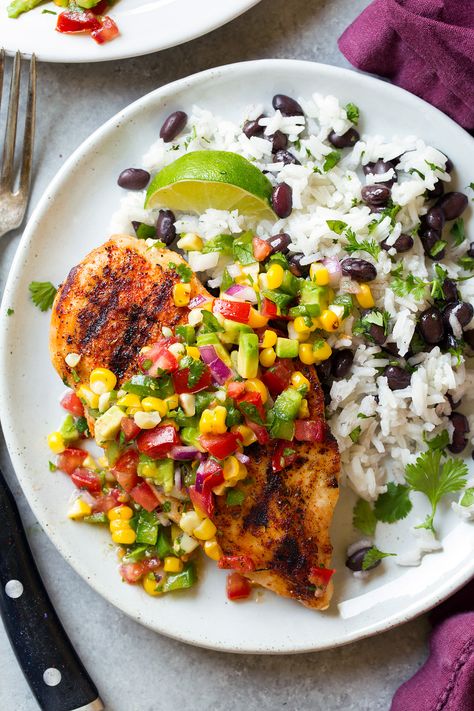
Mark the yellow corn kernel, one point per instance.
(56, 442)
(172, 564)
(154, 404)
(247, 434)
(322, 350)
(102, 462)
(269, 339)
(102, 380)
(133, 410)
(193, 352)
(300, 325)
(298, 379)
(122, 513)
(150, 585)
(303, 412)
(79, 509)
(231, 467)
(206, 530)
(319, 274)
(219, 490)
(181, 294)
(243, 472)
(212, 549)
(190, 242)
(88, 396)
(147, 469)
(129, 400)
(119, 525)
(126, 536)
(275, 276)
(254, 385)
(267, 357)
(213, 421)
(305, 353)
(172, 401)
(256, 320)
(364, 297)
(189, 521)
(329, 321)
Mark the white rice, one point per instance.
(393, 423)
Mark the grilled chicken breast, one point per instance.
(115, 302)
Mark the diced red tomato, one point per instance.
(220, 445)
(203, 502)
(160, 357)
(71, 459)
(209, 474)
(72, 404)
(261, 249)
(255, 399)
(321, 576)
(233, 310)
(70, 22)
(238, 587)
(125, 470)
(269, 309)
(241, 563)
(284, 454)
(106, 32)
(310, 430)
(132, 572)
(260, 431)
(107, 501)
(129, 428)
(86, 479)
(276, 378)
(159, 441)
(235, 388)
(180, 381)
(144, 495)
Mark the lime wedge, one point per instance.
(212, 179)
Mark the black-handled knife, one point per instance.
(49, 662)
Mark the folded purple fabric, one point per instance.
(446, 681)
(425, 46)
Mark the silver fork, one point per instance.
(13, 204)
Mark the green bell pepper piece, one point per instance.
(181, 581)
(147, 528)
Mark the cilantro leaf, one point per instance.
(435, 479)
(227, 281)
(440, 441)
(438, 282)
(363, 517)
(184, 272)
(249, 410)
(352, 112)
(144, 231)
(279, 298)
(373, 556)
(337, 226)
(234, 497)
(42, 294)
(408, 285)
(10, 312)
(355, 434)
(242, 250)
(52, 466)
(394, 504)
(438, 247)
(466, 263)
(221, 243)
(210, 323)
(346, 301)
(331, 160)
(367, 245)
(457, 231)
(433, 166)
(196, 370)
(468, 497)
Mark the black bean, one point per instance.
(470, 251)
(452, 204)
(287, 105)
(324, 370)
(214, 291)
(282, 200)
(279, 141)
(392, 349)
(358, 269)
(377, 334)
(461, 428)
(376, 195)
(173, 125)
(453, 404)
(450, 291)
(449, 343)
(380, 167)
(430, 325)
(285, 157)
(435, 219)
(468, 337)
(397, 378)
(458, 444)
(342, 362)
(429, 239)
(280, 243)
(437, 191)
(133, 179)
(296, 268)
(462, 310)
(165, 229)
(355, 561)
(402, 244)
(253, 128)
(449, 165)
(347, 140)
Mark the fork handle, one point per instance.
(49, 662)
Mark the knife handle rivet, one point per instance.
(52, 676)
(14, 588)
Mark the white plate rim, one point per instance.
(423, 604)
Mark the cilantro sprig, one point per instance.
(42, 294)
(352, 112)
(184, 272)
(373, 556)
(363, 517)
(405, 285)
(366, 245)
(394, 504)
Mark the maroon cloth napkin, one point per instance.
(425, 46)
(446, 681)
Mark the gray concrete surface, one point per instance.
(136, 669)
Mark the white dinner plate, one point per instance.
(145, 27)
(73, 217)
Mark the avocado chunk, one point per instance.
(108, 425)
(247, 360)
(314, 294)
(287, 347)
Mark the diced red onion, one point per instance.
(197, 301)
(206, 469)
(208, 354)
(178, 482)
(334, 268)
(241, 292)
(243, 458)
(219, 370)
(184, 452)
